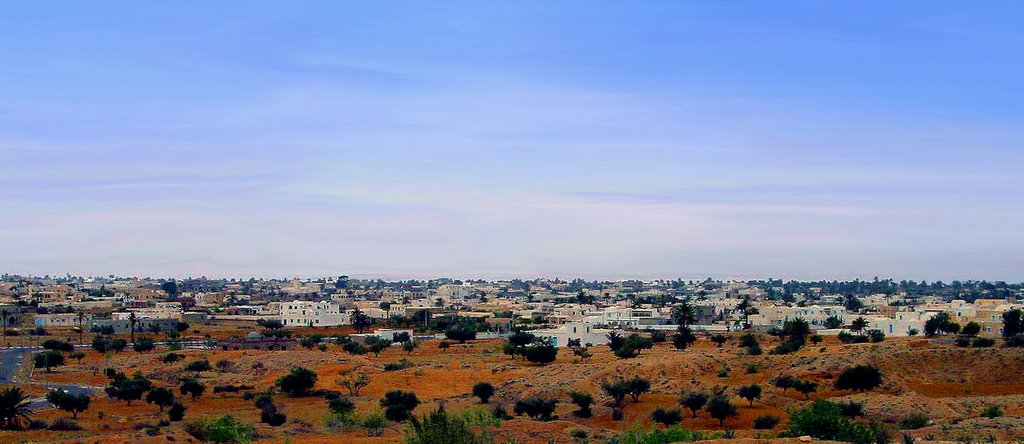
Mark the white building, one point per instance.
(312, 314)
(62, 320)
(582, 330)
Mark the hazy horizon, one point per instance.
(646, 140)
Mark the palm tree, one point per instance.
(131, 325)
(858, 325)
(81, 329)
(13, 407)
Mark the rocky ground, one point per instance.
(948, 384)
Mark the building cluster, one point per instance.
(561, 310)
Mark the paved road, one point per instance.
(10, 360)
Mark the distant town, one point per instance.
(340, 359)
(564, 311)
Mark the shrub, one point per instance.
(876, 335)
(671, 434)
(658, 337)
(191, 387)
(398, 405)
(859, 378)
(583, 401)
(225, 429)
(341, 406)
(64, 424)
(355, 348)
(983, 342)
(56, 344)
(785, 348)
(766, 422)
(48, 359)
(914, 421)
(992, 411)
(460, 333)
(940, 323)
(144, 344)
(683, 338)
(748, 340)
(374, 424)
(198, 366)
(396, 366)
(440, 428)
(617, 389)
(617, 414)
(848, 338)
(231, 388)
(823, 420)
(540, 352)
(127, 389)
(354, 384)
(172, 357)
(484, 391)
(536, 408)
(272, 417)
(751, 369)
(444, 345)
(298, 382)
(851, 409)
(971, 329)
(962, 341)
(176, 412)
(409, 346)
(666, 416)
(376, 345)
(785, 382)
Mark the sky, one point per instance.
(603, 140)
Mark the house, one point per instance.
(583, 331)
(312, 314)
(62, 320)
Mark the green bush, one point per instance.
(225, 429)
(398, 405)
(765, 422)
(915, 421)
(824, 420)
(298, 382)
(536, 408)
(672, 434)
(992, 411)
(440, 428)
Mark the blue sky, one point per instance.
(513, 139)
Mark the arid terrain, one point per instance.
(950, 385)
